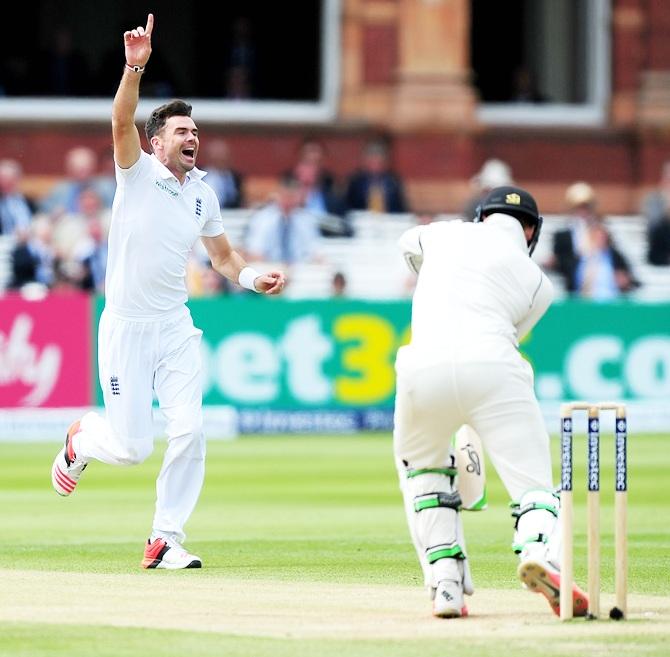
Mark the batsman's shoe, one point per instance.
(164, 553)
(540, 577)
(67, 468)
(448, 601)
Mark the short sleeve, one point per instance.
(141, 167)
(213, 226)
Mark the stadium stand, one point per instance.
(373, 268)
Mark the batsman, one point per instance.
(478, 293)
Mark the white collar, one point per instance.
(194, 174)
(509, 225)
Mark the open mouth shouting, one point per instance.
(189, 154)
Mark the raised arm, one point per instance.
(126, 138)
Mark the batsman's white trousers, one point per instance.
(137, 357)
(496, 399)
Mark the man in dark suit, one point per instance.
(572, 246)
(374, 186)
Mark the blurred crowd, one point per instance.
(59, 240)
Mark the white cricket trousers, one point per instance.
(137, 357)
(496, 399)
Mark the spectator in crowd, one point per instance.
(656, 204)
(374, 186)
(81, 167)
(494, 173)
(656, 209)
(91, 253)
(72, 232)
(575, 246)
(339, 285)
(283, 231)
(15, 210)
(67, 276)
(317, 198)
(32, 259)
(105, 180)
(313, 152)
(319, 190)
(599, 274)
(570, 244)
(221, 176)
(659, 242)
(321, 201)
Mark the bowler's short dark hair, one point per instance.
(156, 122)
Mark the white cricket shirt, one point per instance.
(477, 293)
(155, 223)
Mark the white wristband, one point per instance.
(247, 277)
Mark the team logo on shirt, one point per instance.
(114, 385)
(166, 188)
(198, 206)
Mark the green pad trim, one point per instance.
(449, 472)
(481, 504)
(440, 552)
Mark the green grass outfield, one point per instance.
(311, 519)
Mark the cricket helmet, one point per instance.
(515, 202)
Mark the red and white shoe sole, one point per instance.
(63, 484)
(155, 552)
(540, 580)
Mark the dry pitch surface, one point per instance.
(301, 610)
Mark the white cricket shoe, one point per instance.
(168, 554)
(448, 601)
(539, 577)
(67, 468)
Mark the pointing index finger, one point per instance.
(150, 25)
